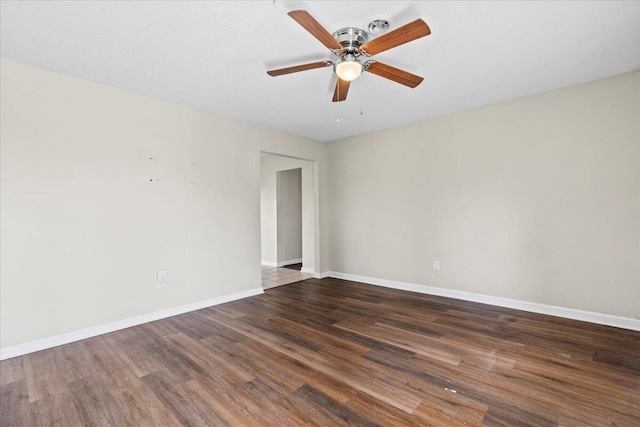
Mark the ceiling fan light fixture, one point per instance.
(348, 68)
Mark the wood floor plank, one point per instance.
(11, 370)
(211, 362)
(94, 404)
(229, 406)
(301, 372)
(140, 407)
(264, 398)
(334, 352)
(258, 367)
(333, 412)
(106, 366)
(15, 409)
(131, 349)
(45, 374)
(185, 405)
(172, 357)
(56, 410)
(406, 342)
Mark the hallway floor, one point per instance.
(275, 276)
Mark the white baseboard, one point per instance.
(307, 270)
(322, 275)
(281, 263)
(289, 262)
(56, 340)
(569, 313)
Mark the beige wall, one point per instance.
(83, 227)
(289, 196)
(269, 167)
(535, 199)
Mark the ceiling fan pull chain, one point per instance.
(361, 94)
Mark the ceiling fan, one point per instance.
(351, 45)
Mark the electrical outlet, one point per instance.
(436, 265)
(161, 278)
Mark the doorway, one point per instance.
(286, 219)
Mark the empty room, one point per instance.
(288, 213)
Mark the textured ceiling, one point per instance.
(213, 55)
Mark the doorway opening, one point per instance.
(287, 217)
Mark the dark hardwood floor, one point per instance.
(331, 352)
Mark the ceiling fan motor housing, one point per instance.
(351, 39)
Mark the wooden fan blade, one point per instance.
(412, 31)
(342, 88)
(395, 74)
(303, 67)
(309, 23)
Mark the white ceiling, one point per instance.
(213, 55)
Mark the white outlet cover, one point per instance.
(436, 265)
(161, 276)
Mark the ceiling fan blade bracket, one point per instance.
(367, 64)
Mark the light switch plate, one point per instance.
(161, 278)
